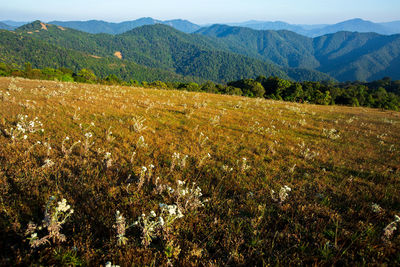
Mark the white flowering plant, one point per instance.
(331, 133)
(56, 214)
(282, 195)
(153, 225)
(121, 227)
(188, 196)
(149, 227)
(178, 160)
(68, 151)
(390, 229)
(24, 127)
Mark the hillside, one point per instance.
(342, 55)
(91, 174)
(358, 56)
(17, 50)
(223, 53)
(160, 46)
(284, 48)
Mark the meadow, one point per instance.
(96, 175)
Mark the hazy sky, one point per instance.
(203, 11)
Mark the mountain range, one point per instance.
(342, 55)
(4, 26)
(218, 53)
(159, 47)
(99, 26)
(353, 25)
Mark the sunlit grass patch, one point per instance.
(210, 173)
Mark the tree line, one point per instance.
(384, 93)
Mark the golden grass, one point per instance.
(327, 217)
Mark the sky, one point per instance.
(203, 11)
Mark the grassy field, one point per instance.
(94, 174)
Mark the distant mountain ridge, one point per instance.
(98, 26)
(352, 25)
(4, 26)
(15, 23)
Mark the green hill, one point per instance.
(284, 48)
(161, 46)
(16, 49)
(342, 55)
(222, 53)
(358, 56)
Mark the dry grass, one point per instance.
(327, 218)
(44, 26)
(118, 54)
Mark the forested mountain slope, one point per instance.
(342, 55)
(161, 46)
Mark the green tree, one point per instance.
(293, 92)
(209, 87)
(249, 87)
(158, 84)
(275, 86)
(112, 79)
(87, 76)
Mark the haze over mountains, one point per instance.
(4, 26)
(219, 52)
(96, 26)
(353, 25)
(99, 26)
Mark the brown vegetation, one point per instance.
(278, 183)
(44, 26)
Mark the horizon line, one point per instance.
(200, 24)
